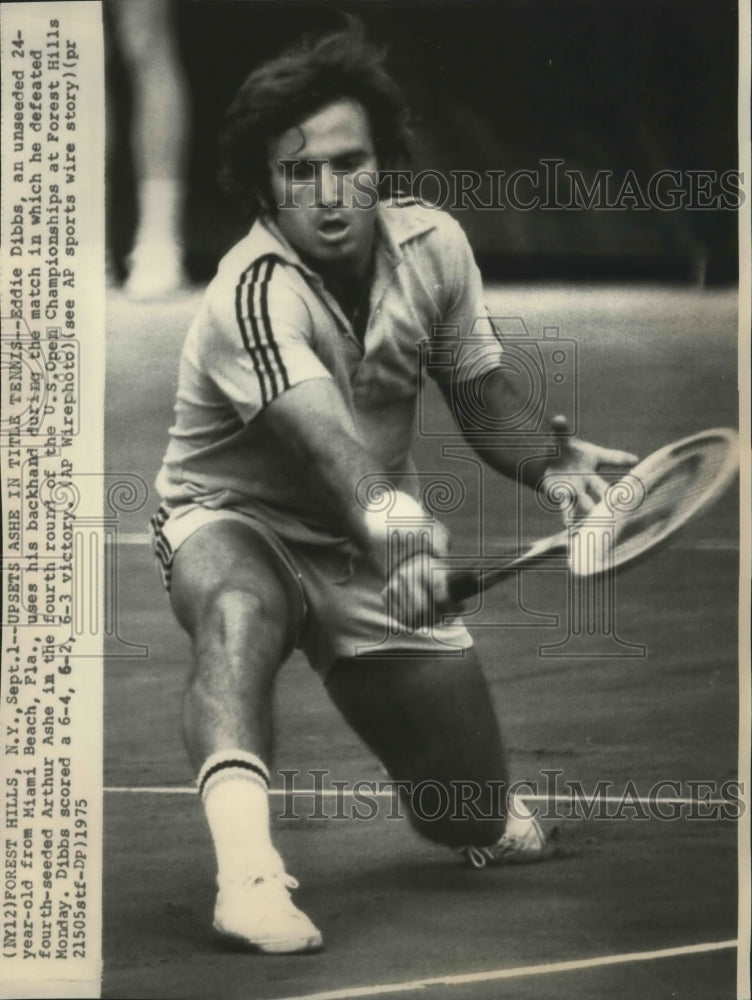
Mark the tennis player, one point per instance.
(298, 383)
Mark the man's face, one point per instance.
(327, 218)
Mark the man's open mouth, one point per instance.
(333, 229)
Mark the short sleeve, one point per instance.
(466, 329)
(263, 336)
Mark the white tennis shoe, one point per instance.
(259, 912)
(522, 842)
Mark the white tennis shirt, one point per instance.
(268, 323)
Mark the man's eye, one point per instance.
(300, 171)
(307, 171)
(351, 164)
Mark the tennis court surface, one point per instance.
(630, 904)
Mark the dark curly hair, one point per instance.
(284, 91)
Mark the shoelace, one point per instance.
(288, 881)
(478, 856)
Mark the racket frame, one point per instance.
(463, 583)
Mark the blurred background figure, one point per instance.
(159, 133)
(639, 96)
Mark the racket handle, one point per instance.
(463, 583)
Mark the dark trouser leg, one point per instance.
(431, 720)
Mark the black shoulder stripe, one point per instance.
(241, 320)
(260, 271)
(267, 324)
(256, 328)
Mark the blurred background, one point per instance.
(623, 86)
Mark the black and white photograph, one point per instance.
(443, 306)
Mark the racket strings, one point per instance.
(671, 492)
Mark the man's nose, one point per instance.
(332, 187)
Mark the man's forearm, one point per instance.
(487, 430)
(526, 461)
(313, 423)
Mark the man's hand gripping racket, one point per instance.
(618, 522)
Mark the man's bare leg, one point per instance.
(232, 597)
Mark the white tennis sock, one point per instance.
(233, 785)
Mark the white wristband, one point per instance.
(389, 513)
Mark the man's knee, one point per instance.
(456, 813)
(240, 611)
(246, 623)
(226, 581)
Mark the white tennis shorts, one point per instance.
(342, 610)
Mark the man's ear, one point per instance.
(262, 202)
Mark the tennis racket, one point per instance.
(637, 514)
